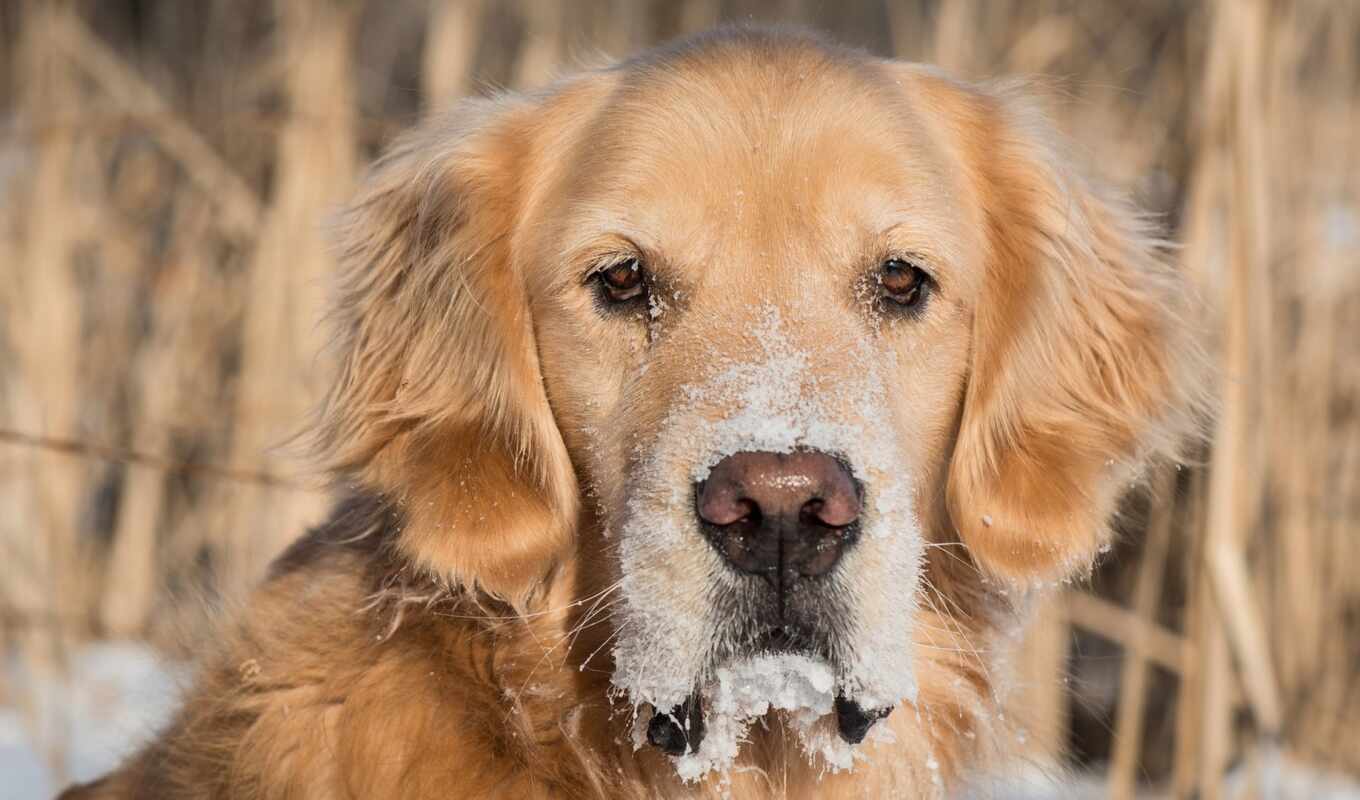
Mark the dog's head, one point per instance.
(763, 328)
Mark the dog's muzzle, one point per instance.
(785, 518)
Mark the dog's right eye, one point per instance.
(622, 281)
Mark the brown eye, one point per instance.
(622, 281)
(904, 284)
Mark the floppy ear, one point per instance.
(438, 403)
(1083, 364)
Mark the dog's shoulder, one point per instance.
(345, 674)
(262, 700)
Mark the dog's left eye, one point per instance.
(904, 284)
(622, 281)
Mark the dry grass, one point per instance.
(164, 169)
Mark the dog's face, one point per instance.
(766, 326)
(754, 332)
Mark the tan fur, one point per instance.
(447, 633)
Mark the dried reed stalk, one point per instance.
(450, 49)
(542, 50)
(132, 575)
(240, 209)
(44, 330)
(1235, 471)
(1186, 754)
(1126, 628)
(698, 15)
(279, 380)
(953, 36)
(1040, 705)
(1128, 730)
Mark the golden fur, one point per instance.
(447, 633)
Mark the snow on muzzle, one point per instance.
(769, 555)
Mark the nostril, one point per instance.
(811, 513)
(837, 511)
(721, 503)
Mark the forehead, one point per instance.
(782, 149)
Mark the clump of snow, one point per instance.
(744, 691)
(1266, 773)
(775, 397)
(26, 773)
(1270, 772)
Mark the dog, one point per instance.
(705, 424)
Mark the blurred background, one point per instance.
(165, 171)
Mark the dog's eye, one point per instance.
(622, 281)
(904, 284)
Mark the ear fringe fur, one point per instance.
(1086, 368)
(437, 401)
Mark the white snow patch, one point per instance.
(113, 697)
(1266, 773)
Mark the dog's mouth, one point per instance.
(766, 539)
(788, 648)
(680, 730)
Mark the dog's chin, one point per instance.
(783, 671)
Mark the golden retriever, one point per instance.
(705, 426)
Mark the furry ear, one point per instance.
(1083, 365)
(438, 403)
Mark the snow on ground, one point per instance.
(1272, 774)
(113, 697)
(1269, 775)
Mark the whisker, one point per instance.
(532, 614)
(948, 549)
(953, 621)
(964, 650)
(607, 640)
(568, 635)
(591, 621)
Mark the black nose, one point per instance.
(782, 516)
